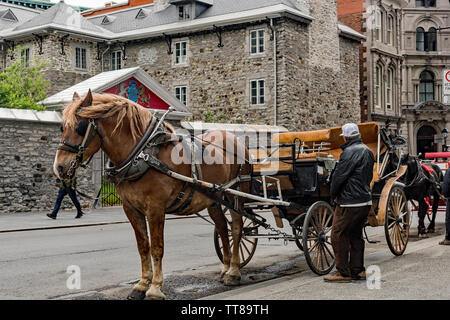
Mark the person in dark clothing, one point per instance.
(350, 190)
(446, 193)
(66, 187)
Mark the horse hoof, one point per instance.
(154, 294)
(430, 231)
(230, 281)
(136, 295)
(423, 235)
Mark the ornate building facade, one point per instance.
(426, 52)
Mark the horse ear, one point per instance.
(76, 97)
(87, 102)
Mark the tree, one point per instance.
(23, 84)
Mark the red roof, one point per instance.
(115, 7)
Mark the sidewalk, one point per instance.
(13, 222)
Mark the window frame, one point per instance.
(258, 88)
(179, 60)
(118, 56)
(390, 85)
(423, 85)
(390, 27)
(379, 25)
(179, 95)
(378, 86)
(260, 41)
(27, 53)
(187, 12)
(81, 68)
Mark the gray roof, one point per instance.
(22, 14)
(63, 16)
(126, 19)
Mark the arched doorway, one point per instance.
(425, 140)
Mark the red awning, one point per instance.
(434, 155)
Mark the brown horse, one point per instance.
(120, 124)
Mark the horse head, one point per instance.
(80, 138)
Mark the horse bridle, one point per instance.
(88, 131)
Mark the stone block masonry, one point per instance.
(27, 182)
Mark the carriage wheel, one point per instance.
(247, 246)
(397, 222)
(316, 238)
(297, 231)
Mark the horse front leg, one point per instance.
(217, 215)
(233, 275)
(156, 223)
(139, 225)
(431, 226)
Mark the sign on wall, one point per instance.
(446, 87)
(134, 90)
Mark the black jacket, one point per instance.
(446, 184)
(350, 182)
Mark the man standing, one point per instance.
(350, 189)
(66, 187)
(446, 193)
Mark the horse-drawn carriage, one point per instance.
(297, 168)
(289, 177)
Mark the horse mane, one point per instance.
(109, 105)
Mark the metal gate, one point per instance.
(107, 196)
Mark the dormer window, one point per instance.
(8, 15)
(108, 20)
(184, 12)
(142, 14)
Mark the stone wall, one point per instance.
(27, 182)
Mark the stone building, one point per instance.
(381, 57)
(282, 62)
(426, 51)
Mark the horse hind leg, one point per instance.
(233, 275)
(423, 208)
(139, 225)
(217, 215)
(431, 226)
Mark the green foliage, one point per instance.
(210, 117)
(22, 86)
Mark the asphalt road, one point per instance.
(33, 265)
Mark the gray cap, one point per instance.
(350, 130)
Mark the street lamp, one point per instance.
(445, 136)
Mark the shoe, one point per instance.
(360, 276)
(79, 215)
(337, 277)
(445, 242)
(52, 216)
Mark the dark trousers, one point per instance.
(447, 221)
(61, 194)
(347, 239)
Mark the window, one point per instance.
(426, 87)
(116, 60)
(426, 41)
(184, 12)
(257, 92)
(426, 3)
(420, 39)
(389, 89)
(25, 56)
(390, 30)
(80, 58)
(181, 52)
(378, 25)
(181, 94)
(257, 41)
(378, 75)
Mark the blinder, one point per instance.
(82, 127)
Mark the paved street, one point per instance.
(36, 252)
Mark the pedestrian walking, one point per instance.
(350, 190)
(66, 187)
(446, 193)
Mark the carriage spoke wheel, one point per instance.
(247, 245)
(316, 238)
(397, 222)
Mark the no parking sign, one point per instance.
(446, 91)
